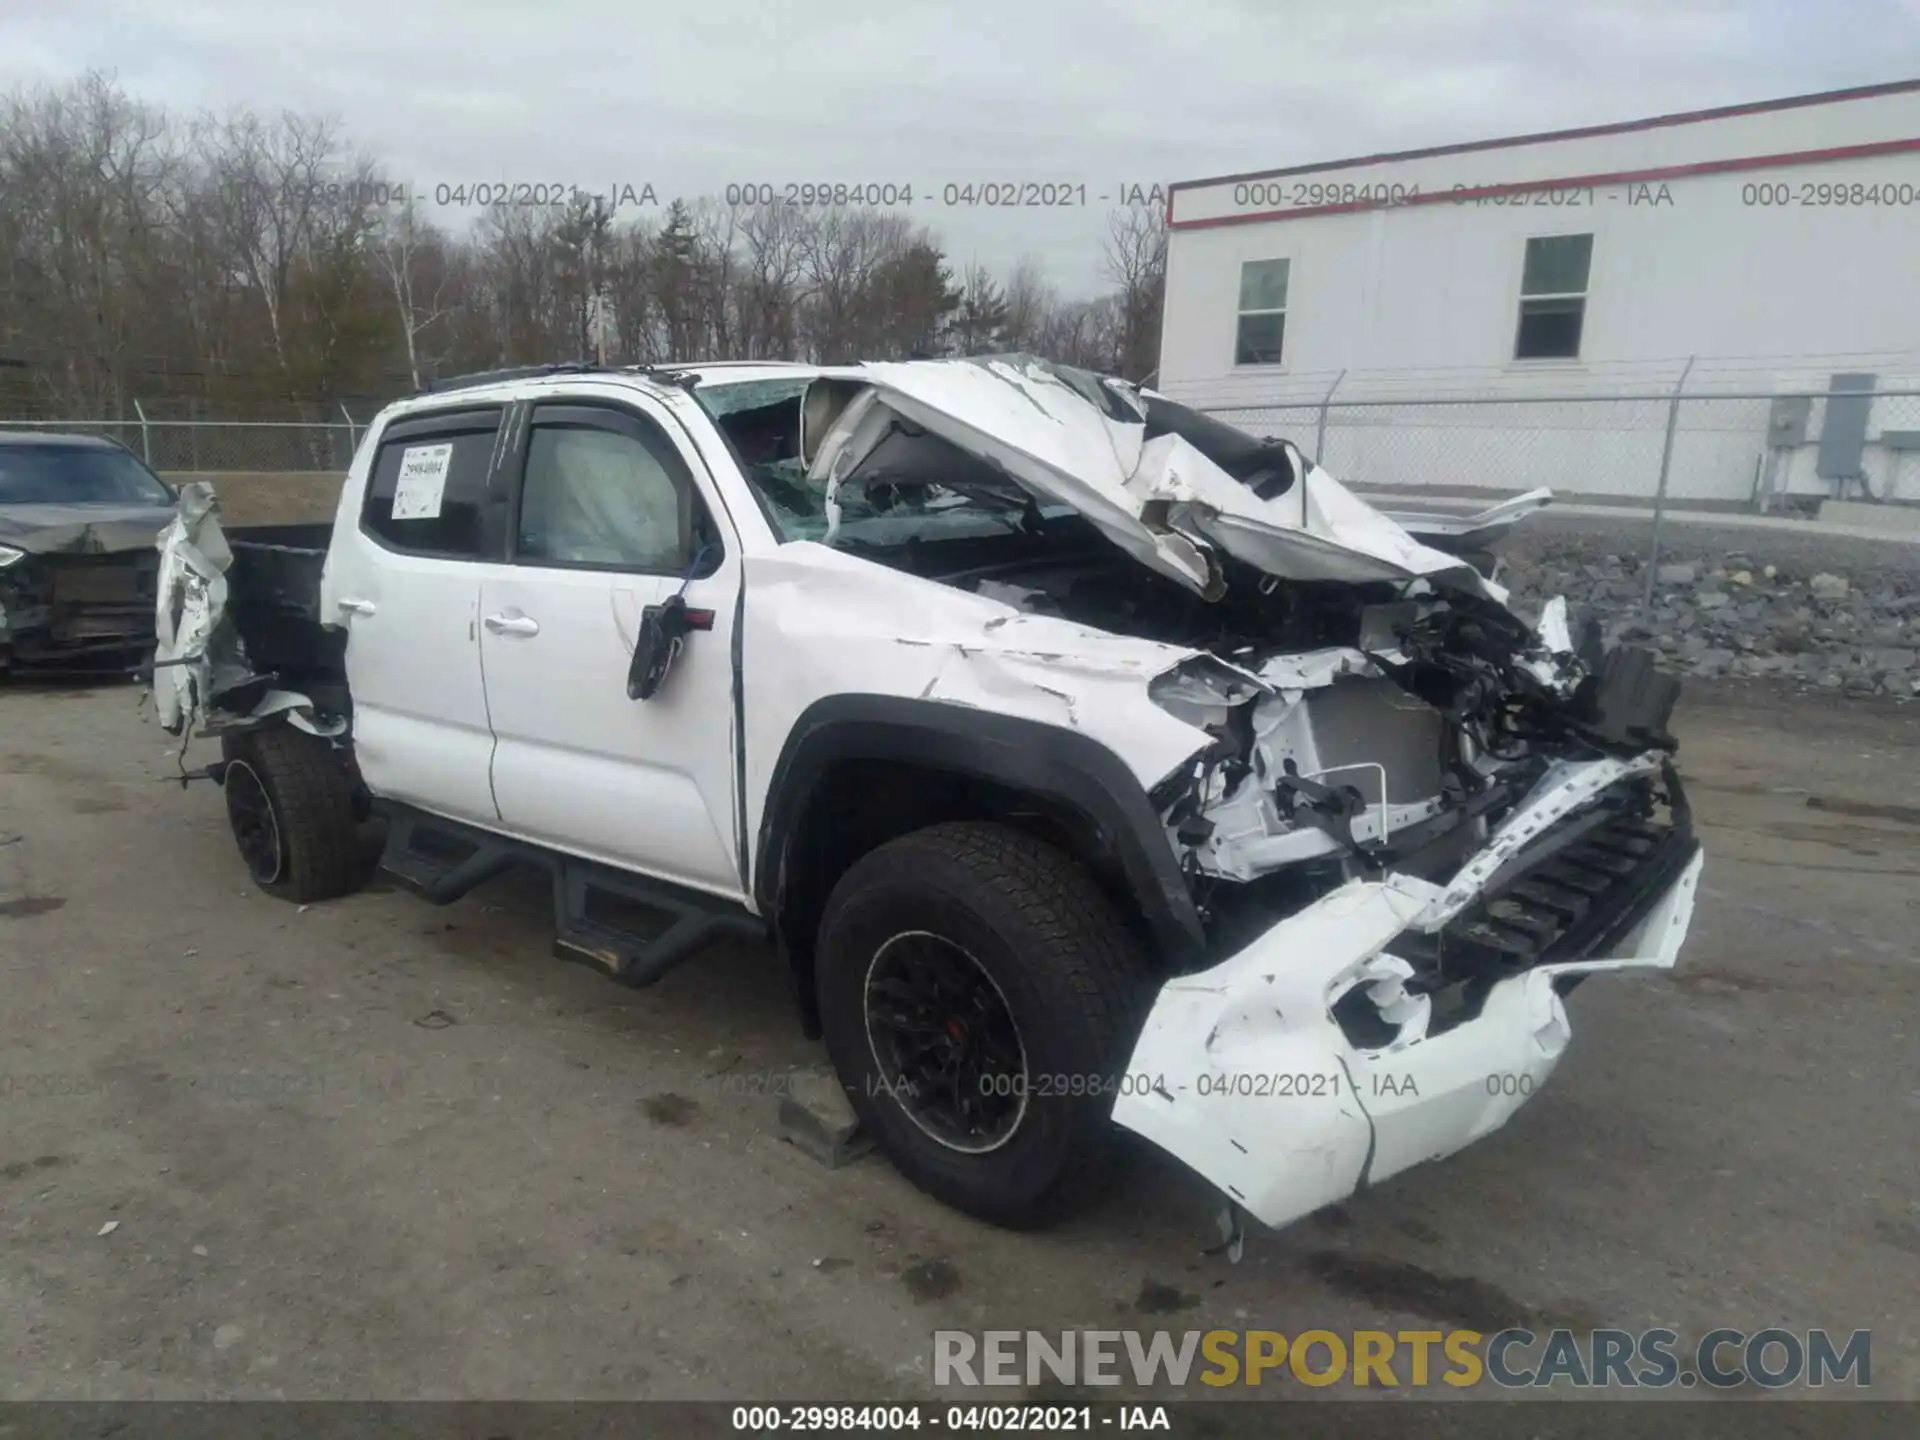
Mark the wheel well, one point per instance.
(860, 804)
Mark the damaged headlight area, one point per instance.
(71, 598)
(65, 609)
(1329, 759)
(1400, 752)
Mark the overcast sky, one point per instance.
(690, 97)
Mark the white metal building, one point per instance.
(1777, 243)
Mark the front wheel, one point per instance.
(979, 997)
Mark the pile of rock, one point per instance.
(1731, 617)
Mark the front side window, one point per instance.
(606, 498)
(1553, 297)
(1263, 312)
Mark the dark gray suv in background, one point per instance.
(78, 520)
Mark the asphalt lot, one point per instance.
(378, 1149)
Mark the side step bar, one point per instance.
(442, 860)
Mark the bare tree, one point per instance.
(1029, 300)
(629, 289)
(846, 253)
(82, 173)
(414, 257)
(772, 280)
(245, 265)
(1135, 260)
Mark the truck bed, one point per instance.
(273, 597)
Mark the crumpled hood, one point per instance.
(81, 529)
(1068, 437)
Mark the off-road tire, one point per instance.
(1073, 977)
(309, 794)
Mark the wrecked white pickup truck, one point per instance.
(1085, 759)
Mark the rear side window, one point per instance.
(429, 486)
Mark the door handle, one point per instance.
(357, 607)
(513, 624)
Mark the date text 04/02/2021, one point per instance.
(1278, 1085)
(988, 194)
(1331, 194)
(960, 1419)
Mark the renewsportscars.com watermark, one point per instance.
(1722, 1359)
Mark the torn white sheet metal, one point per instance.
(1554, 663)
(1482, 527)
(1257, 1024)
(300, 713)
(196, 657)
(1316, 530)
(1554, 631)
(1063, 446)
(1260, 1091)
(1310, 669)
(190, 601)
(1042, 433)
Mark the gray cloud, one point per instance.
(692, 98)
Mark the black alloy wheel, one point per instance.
(945, 1042)
(256, 829)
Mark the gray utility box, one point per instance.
(1787, 421)
(1843, 431)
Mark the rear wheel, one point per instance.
(979, 996)
(290, 806)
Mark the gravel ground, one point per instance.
(1850, 630)
(377, 1149)
(1800, 551)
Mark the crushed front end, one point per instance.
(77, 606)
(1408, 819)
(1409, 849)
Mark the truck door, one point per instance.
(403, 575)
(612, 513)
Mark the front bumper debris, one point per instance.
(1306, 1066)
(59, 609)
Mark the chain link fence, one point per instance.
(219, 446)
(1757, 451)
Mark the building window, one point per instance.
(1553, 297)
(1263, 313)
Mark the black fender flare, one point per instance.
(1063, 768)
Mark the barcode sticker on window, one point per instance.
(423, 480)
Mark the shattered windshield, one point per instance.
(762, 419)
(76, 475)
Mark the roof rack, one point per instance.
(512, 372)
